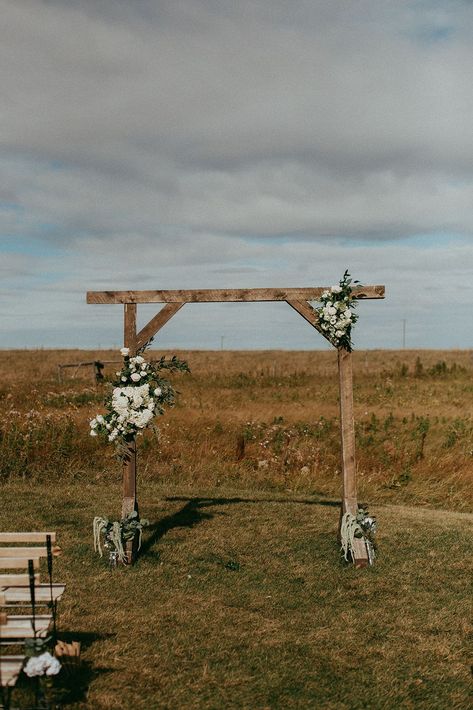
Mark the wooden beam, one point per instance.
(156, 323)
(347, 429)
(309, 314)
(129, 503)
(222, 295)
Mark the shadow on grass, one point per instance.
(187, 517)
(208, 502)
(192, 514)
(75, 680)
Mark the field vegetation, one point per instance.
(240, 598)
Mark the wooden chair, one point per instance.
(14, 555)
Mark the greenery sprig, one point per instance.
(117, 533)
(360, 526)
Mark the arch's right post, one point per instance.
(347, 430)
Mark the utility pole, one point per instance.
(404, 321)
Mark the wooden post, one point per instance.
(347, 430)
(130, 503)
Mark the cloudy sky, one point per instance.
(162, 144)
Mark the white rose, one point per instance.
(139, 359)
(54, 666)
(339, 333)
(332, 311)
(125, 351)
(135, 377)
(336, 289)
(348, 314)
(93, 432)
(143, 373)
(123, 379)
(158, 391)
(100, 418)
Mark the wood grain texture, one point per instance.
(221, 295)
(129, 502)
(156, 323)
(15, 579)
(19, 594)
(309, 313)
(29, 553)
(347, 432)
(17, 563)
(10, 537)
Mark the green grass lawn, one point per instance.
(240, 599)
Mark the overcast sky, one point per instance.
(148, 144)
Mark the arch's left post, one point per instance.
(130, 502)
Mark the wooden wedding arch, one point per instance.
(299, 299)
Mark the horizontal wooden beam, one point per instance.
(213, 295)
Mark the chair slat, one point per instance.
(26, 537)
(17, 563)
(30, 553)
(15, 579)
(19, 594)
(10, 669)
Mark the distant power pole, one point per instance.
(404, 333)
(222, 338)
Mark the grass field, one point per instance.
(240, 598)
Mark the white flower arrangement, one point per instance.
(45, 664)
(139, 394)
(336, 315)
(361, 526)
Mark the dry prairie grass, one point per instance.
(240, 598)
(260, 419)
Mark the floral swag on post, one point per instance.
(139, 394)
(336, 315)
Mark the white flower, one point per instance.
(100, 418)
(338, 333)
(125, 351)
(39, 665)
(333, 320)
(348, 314)
(93, 432)
(139, 359)
(123, 379)
(135, 377)
(93, 423)
(158, 392)
(332, 311)
(143, 373)
(336, 289)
